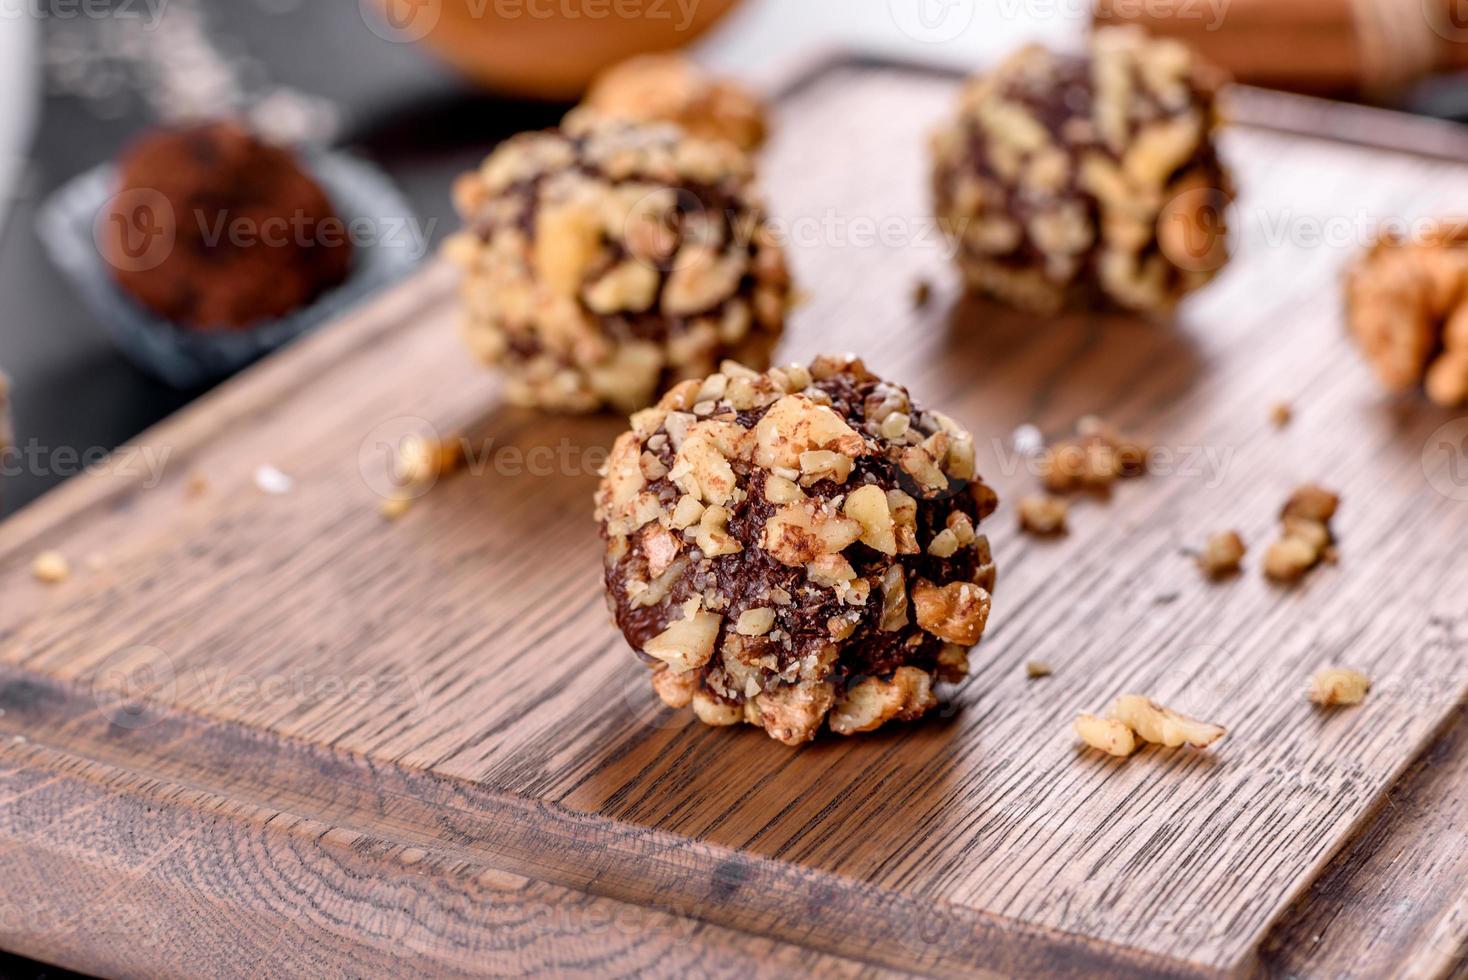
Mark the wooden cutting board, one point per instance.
(276, 733)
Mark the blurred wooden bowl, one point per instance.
(547, 48)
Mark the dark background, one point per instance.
(399, 109)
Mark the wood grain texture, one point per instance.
(325, 692)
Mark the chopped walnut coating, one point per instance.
(1407, 306)
(606, 260)
(1306, 538)
(672, 88)
(841, 574)
(1334, 686)
(1084, 181)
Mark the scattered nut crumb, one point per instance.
(922, 293)
(1162, 726)
(1281, 414)
(1043, 515)
(272, 481)
(1338, 686)
(1106, 734)
(394, 507)
(1306, 539)
(421, 461)
(1036, 669)
(1135, 717)
(197, 485)
(1094, 459)
(1222, 554)
(51, 567)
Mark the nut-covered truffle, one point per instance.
(213, 228)
(1407, 305)
(797, 547)
(672, 88)
(609, 259)
(1087, 181)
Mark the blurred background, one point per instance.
(424, 88)
(80, 78)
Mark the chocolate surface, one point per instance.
(1092, 181)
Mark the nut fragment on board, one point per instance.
(1222, 554)
(1043, 515)
(1306, 538)
(51, 567)
(1097, 456)
(1142, 718)
(1335, 686)
(1106, 734)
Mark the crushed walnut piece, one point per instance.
(51, 567)
(922, 294)
(1043, 515)
(1222, 554)
(1096, 457)
(1134, 717)
(422, 460)
(1281, 414)
(1086, 181)
(609, 259)
(1106, 734)
(1334, 686)
(803, 545)
(1407, 306)
(1035, 669)
(196, 485)
(1306, 538)
(672, 88)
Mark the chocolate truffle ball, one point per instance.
(672, 88)
(213, 228)
(1074, 182)
(797, 547)
(609, 259)
(1407, 306)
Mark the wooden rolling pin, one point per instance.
(1324, 47)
